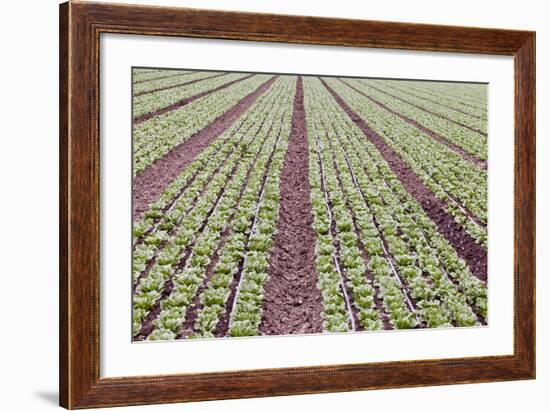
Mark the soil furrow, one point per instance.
(443, 266)
(292, 301)
(457, 149)
(179, 85)
(452, 198)
(147, 326)
(406, 91)
(170, 205)
(187, 100)
(389, 258)
(337, 255)
(458, 123)
(471, 216)
(223, 325)
(149, 185)
(364, 254)
(146, 71)
(196, 305)
(152, 261)
(378, 302)
(474, 254)
(163, 77)
(391, 187)
(471, 97)
(439, 94)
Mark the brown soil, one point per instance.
(147, 326)
(400, 233)
(150, 184)
(436, 102)
(458, 123)
(222, 328)
(474, 254)
(480, 163)
(196, 305)
(355, 325)
(188, 325)
(171, 203)
(144, 71)
(164, 76)
(178, 85)
(475, 218)
(185, 101)
(457, 149)
(292, 301)
(348, 295)
(382, 314)
(174, 229)
(458, 99)
(364, 254)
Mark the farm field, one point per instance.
(267, 204)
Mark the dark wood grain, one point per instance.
(525, 203)
(80, 27)
(63, 205)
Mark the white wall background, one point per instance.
(28, 210)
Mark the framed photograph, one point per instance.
(258, 205)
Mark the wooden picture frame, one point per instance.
(80, 27)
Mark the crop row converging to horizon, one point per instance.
(287, 204)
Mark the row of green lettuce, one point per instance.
(450, 177)
(154, 138)
(214, 222)
(408, 259)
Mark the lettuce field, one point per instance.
(268, 204)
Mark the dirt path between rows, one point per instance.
(292, 301)
(196, 306)
(457, 99)
(458, 123)
(187, 100)
(185, 83)
(457, 149)
(164, 76)
(408, 92)
(466, 247)
(149, 185)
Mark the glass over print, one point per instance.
(275, 204)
